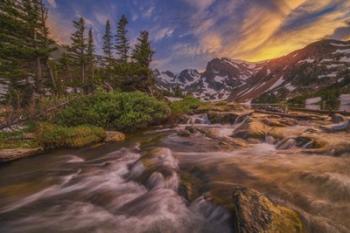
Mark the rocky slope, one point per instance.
(312, 69)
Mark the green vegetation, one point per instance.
(16, 139)
(51, 136)
(184, 106)
(117, 110)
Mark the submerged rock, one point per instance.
(115, 136)
(255, 213)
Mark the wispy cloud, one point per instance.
(163, 33)
(186, 32)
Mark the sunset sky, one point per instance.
(188, 33)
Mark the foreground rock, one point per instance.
(7, 155)
(115, 136)
(255, 213)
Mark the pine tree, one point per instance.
(16, 50)
(143, 53)
(107, 43)
(122, 42)
(78, 47)
(90, 56)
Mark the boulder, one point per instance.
(255, 213)
(18, 153)
(115, 136)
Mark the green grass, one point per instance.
(51, 136)
(15, 139)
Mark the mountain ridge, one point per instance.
(312, 68)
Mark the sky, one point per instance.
(188, 33)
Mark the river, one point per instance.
(93, 190)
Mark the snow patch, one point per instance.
(314, 100)
(342, 51)
(290, 87)
(331, 75)
(276, 84)
(308, 60)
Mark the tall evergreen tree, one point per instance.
(78, 47)
(143, 53)
(122, 42)
(90, 56)
(24, 41)
(107, 43)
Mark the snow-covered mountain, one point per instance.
(313, 68)
(217, 82)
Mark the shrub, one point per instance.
(187, 105)
(52, 136)
(117, 110)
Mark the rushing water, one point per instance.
(93, 190)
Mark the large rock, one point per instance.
(343, 126)
(252, 129)
(223, 117)
(255, 213)
(115, 136)
(18, 153)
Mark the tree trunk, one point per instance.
(39, 73)
(52, 77)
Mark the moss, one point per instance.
(52, 136)
(284, 220)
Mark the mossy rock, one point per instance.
(255, 213)
(115, 136)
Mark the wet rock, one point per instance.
(286, 144)
(115, 136)
(184, 133)
(14, 154)
(337, 127)
(338, 118)
(279, 122)
(255, 213)
(252, 129)
(223, 117)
